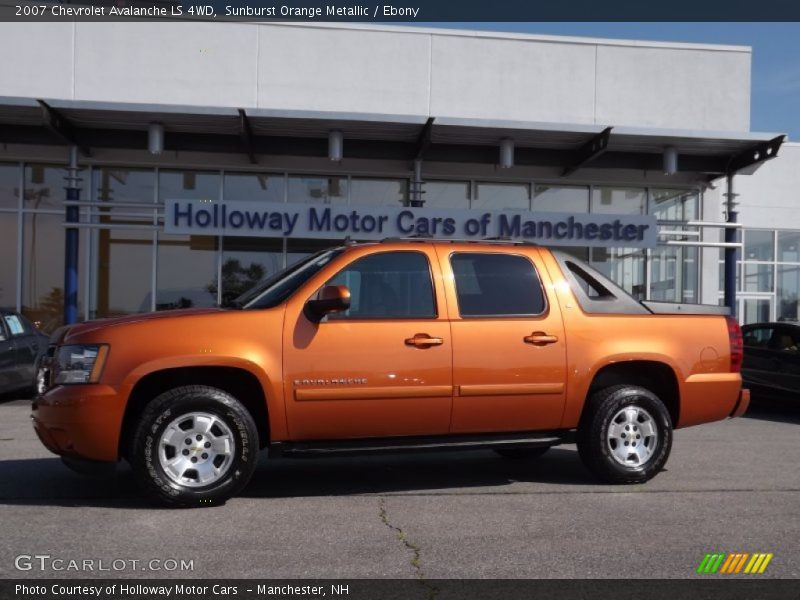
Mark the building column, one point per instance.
(731, 255)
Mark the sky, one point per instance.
(775, 101)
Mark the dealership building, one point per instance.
(112, 133)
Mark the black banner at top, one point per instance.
(402, 11)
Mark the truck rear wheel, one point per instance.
(194, 446)
(626, 435)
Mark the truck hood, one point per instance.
(69, 331)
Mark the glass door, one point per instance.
(756, 308)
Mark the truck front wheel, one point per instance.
(626, 435)
(194, 446)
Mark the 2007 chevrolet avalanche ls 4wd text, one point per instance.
(397, 345)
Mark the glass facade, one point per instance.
(561, 198)
(768, 276)
(446, 194)
(129, 265)
(122, 267)
(499, 196)
(674, 270)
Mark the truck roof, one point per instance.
(443, 241)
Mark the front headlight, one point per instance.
(80, 364)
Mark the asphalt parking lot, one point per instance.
(732, 486)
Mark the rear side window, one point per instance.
(758, 337)
(389, 285)
(785, 340)
(14, 324)
(496, 285)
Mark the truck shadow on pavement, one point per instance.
(777, 412)
(47, 482)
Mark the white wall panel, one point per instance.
(673, 88)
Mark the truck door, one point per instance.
(509, 352)
(382, 368)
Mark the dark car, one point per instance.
(771, 367)
(21, 348)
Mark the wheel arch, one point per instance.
(656, 376)
(239, 382)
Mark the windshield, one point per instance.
(277, 288)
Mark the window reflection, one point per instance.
(446, 194)
(499, 196)
(623, 266)
(117, 187)
(561, 198)
(789, 246)
(789, 293)
(675, 205)
(43, 269)
(318, 190)
(245, 262)
(123, 272)
(758, 278)
(187, 271)
(379, 192)
(9, 185)
(255, 187)
(44, 186)
(674, 274)
(8, 259)
(756, 310)
(188, 185)
(628, 201)
(759, 245)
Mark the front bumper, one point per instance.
(82, 421)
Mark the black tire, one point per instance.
(168, 407)
(522, 453)
(596, 450)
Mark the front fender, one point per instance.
(266, 371)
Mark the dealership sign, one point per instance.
(326, 221)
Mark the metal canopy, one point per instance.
(254, 132)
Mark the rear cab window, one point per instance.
(496, 285)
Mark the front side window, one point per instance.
(389, 285)
(496, 285)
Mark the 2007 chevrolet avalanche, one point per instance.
(404, 344)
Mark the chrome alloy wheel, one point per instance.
(632, 436)
(196, 449)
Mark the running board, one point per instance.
(436, 443)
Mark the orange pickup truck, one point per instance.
(391, 346)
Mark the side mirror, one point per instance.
(331, 299)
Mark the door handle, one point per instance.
(540, 338)
(423, 340)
